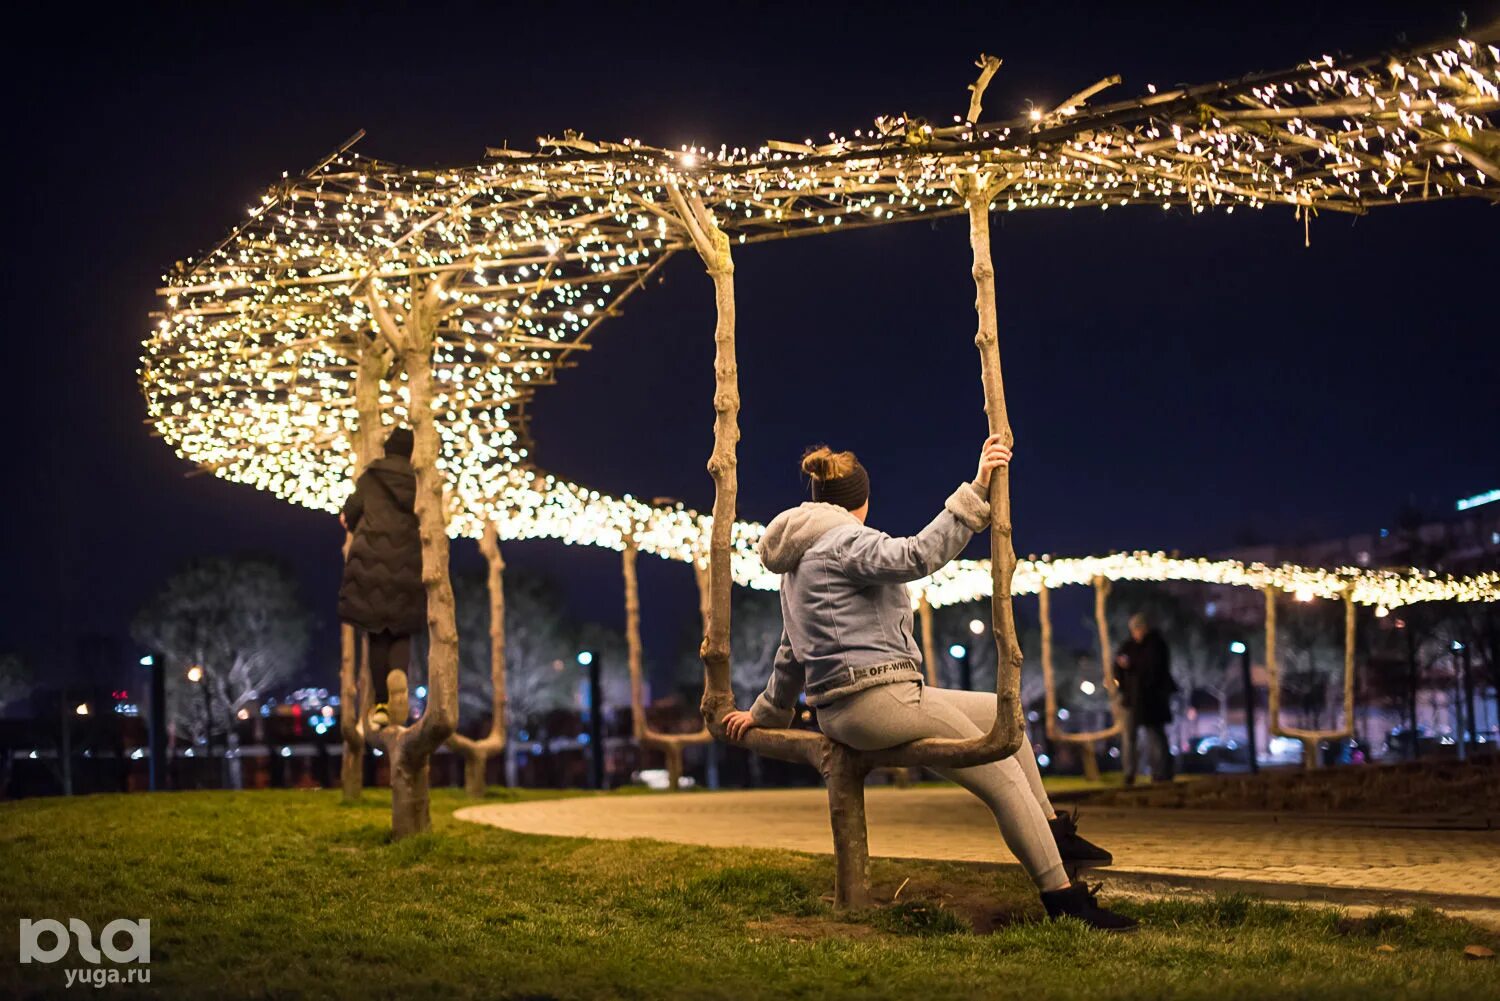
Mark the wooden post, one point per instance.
(670, 744)
(1049, 681)
(844, 773)
(1349, 620)
(978, 190)
(477, 753)
(1049, 685)
(1310, 739)
(712, 245)
(1273, 685)
(410, 748)
(364, 444)
(1009, 721)
(633, 641)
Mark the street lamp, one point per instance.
(976, 626)
(1243, 652)
(1468, 729)
(82, 709)
(1086, 687)
(196, 675)
(586, 658)
(157, 734)
(960, 653)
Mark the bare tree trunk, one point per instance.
(674, 766)
(232, 757)
(364, 439)
(670, 744)
(477, 753)
(512, 765)
(844, 773)
(1088, 741)
(410, 748)
(1009, 731)
(843, 768)
(1310, 738)
(718, 691)
(713, 247)
(1010, 726)
(476, 764)
(1107, 655)
(410, 805)
(351, 762)
(633, 641)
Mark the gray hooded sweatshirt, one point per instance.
(844, 601)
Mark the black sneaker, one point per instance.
(1076, 851)
(1078, 901)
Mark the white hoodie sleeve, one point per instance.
(871, 557)
(775, 706)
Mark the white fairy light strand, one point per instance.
(249, 370)
(544, 507)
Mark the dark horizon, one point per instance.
(1174, 382)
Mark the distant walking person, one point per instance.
(382, 591)
(1144, 675)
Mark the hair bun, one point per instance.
(823, 463)
(817, 462)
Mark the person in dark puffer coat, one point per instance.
(382, 591)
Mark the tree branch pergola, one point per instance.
(512, 262)
(248, 371)
(1107, 673)
(478, 751)
(1310, 738)
(670, 744)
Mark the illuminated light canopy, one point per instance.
(249, 370)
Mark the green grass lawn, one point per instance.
(289, 894)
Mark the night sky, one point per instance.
(1174, 382)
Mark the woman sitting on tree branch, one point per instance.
(848, 643)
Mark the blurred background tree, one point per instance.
(240, 622)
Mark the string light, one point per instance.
(248, 371)
(537, 507)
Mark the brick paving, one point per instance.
(1352, 862)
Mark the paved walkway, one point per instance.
(1350, 864)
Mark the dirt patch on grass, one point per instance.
(975, 903)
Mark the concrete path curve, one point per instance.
(1353, 864)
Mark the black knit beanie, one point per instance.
(399, 443)
(848, 491)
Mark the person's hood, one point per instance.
(792, 533)
(395, 474)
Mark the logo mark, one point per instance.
(46, 940)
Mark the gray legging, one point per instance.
(887, 715)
